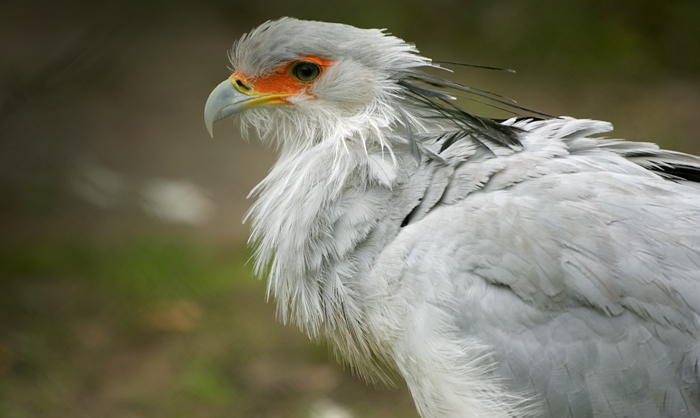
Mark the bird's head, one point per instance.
(311, 80)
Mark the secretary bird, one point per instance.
(517, 268)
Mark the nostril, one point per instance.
(241, 85)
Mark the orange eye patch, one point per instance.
(288, 79)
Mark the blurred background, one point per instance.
(124, 288)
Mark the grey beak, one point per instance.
(223, 102)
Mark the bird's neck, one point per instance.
(314, 227)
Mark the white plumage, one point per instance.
(515, 268)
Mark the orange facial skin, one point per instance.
(281, 83)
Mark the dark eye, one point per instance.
(306, 70)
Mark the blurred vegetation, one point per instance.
(156, 328)
(108, 311)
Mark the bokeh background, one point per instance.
(124, 288)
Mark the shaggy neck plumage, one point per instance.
(308, 221)
(291, 218)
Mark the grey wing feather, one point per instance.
(591, 272)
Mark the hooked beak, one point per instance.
(233, 96)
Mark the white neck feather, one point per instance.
(310, 225)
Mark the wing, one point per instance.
(576, 262)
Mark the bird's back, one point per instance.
(576, 265)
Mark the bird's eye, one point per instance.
(306, 71)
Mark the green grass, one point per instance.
(158, 328)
